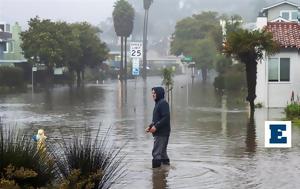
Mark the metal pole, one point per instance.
(32, 79)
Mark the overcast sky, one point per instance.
(95, 11)
(92, 11)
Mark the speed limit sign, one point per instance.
(136, 49)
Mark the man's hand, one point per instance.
(153, 129)
(147, 130)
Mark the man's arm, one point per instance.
(165, 113)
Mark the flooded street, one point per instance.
(213, 143)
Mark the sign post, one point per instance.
(34, 69)
(136, 53)
(135, 67)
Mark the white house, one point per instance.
(278, 76)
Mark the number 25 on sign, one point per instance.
(136, 49)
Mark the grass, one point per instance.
(82, 161)
(89, 162)
(21, 163)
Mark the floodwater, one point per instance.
(213, 144)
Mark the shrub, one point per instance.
(21, 165)
(81, 162)
(219, 82)
(233, 79)
(89, 163)
(292, 111)
(259, 105)
(11, 76)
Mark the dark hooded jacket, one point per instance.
(161, 113)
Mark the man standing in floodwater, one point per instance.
(160, 128)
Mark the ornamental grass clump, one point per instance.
(292, 111)
(21, 165)
(87, 162)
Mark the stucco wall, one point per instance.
(277, 94)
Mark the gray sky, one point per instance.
(95, 11)
(92, 11)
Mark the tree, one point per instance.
(147, 4)
(234, 23)
(58, 44)
(123, 17)
(249, 47)
(167, 74)
(93, 50)
(198, 36)
(42, 43)
(204, 53)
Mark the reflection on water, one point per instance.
(159, 177)
(251, 135)
(214, 142)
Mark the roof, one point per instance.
(287, 34)
(280, 19)
(280, 3)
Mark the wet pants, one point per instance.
(159, 152)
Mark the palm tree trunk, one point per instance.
(145, 44)
(251, 68)
(125, 67)
(121, 63)
(251, 135)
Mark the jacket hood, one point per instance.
(160, 93)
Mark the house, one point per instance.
(5, 38)
(278, 76)
(10, 50)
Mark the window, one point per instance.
(2, 27)
(285, 15)
(5, 47)
(7, 27)
(295, 15)
(279, 69)
(289, 15)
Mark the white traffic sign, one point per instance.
(135, 66)
(136, 49)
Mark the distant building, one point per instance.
(155, 65)
(279, 75)
(10, 50)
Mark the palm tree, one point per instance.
(147, 4)
(129, 20)
(249, 47)
(123, 17)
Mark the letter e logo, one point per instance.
(278, 134)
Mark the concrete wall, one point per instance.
(278, 94)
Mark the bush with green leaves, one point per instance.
(292, 111)
(11, 76)
(168, 81)
(233, 79)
